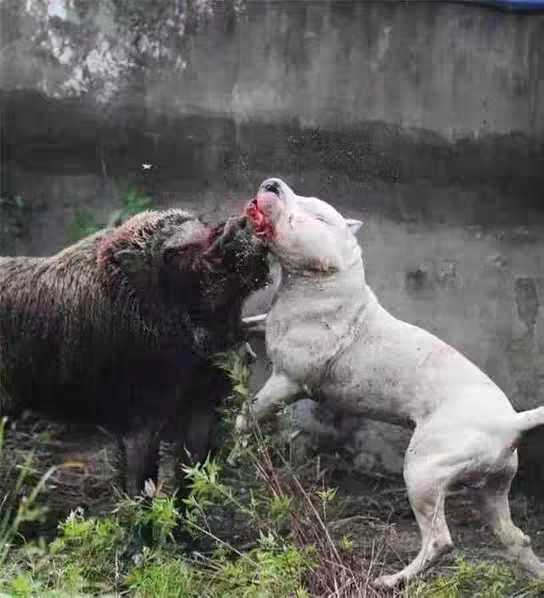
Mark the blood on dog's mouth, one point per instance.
(254, 214)
(261, 225)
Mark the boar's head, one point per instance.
(236, 262)
(173, 258)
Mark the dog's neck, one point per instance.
(315, 317)
(339, 298)
(352, 277)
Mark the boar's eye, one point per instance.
(169, 254)
(179, 251)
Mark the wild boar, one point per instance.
(121, 330)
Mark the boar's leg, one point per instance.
(140, 450)
(279, 389)
(196, 419)
(4, 400)
(195, 443)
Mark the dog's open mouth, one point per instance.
(262, 226)
(255, 215)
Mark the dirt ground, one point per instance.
(377, 510)
(371, 509)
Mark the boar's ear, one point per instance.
(184, 253)
(353, 225)
(129, 260)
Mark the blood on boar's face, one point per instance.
(225, 266)
(181, 260)
(237, 262)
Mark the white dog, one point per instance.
(327, 331)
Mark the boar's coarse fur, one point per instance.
(120, 330)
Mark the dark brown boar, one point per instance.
(121, 329)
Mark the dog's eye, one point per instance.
(321, 219)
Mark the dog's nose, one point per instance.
(273, 187)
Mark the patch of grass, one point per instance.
(158, 579)
(159, 517)
(14, 217)
(271, 569)
(110, 554)
(133, 201)
(16, 509)
(83, 224)
(481, 579)
(92, 546)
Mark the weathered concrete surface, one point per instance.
(424, 119)
(459, 71)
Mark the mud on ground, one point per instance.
(371, 509)
(377, 507)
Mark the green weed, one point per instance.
(479, 579)
(83, 224)
(133, 201)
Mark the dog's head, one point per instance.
(305, 233)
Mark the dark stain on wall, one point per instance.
(67, 136)
(527, 302)
(417, 280)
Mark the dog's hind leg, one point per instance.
(427, 488)
(496, 513)
(431, 466)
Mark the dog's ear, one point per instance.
(353, 225)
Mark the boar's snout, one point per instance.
(230, 229)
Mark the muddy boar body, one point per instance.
(121, 329)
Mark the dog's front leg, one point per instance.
(279, 389)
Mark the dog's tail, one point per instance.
(527, 420)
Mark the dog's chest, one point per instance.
(305, 333)
(367, 385)
(302, 347)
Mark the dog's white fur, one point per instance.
(327, 331)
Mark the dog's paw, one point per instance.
(241, 424)
(386, 582)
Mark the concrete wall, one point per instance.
(459, 71)
(456, 71)
(425, 119)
